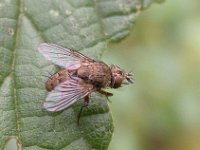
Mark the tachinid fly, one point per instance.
(79, 77)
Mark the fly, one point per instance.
(78, 78)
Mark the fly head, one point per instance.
(119, 76)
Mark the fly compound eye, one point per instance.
(117, 82)
(119, 72)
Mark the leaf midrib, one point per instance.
(13, 66)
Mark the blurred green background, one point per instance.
(161, 111)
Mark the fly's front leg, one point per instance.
(107, 94)
(86, 102)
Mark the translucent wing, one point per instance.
(61, 56)
(67, 93)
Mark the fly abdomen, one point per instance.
(56, 79)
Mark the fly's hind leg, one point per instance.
(107, 94)
(86, 102)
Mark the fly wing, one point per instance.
(67, 93)
(62, 57)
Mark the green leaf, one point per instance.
(84, 25)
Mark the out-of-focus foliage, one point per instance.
(161, 110)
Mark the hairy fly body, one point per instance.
(78, 78)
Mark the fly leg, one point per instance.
(107, 94)
(86, 102)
